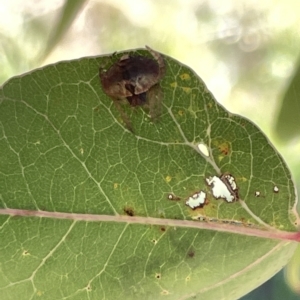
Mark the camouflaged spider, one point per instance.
(136, 80)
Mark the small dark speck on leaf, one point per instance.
(129, 211)
(191, 253)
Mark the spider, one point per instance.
(135, 79)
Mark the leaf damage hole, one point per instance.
(224, 187)
(172, 197)
(196, 200)
(203, 149)
(257, 193)
(276, 189)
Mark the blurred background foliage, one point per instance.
(246, 51)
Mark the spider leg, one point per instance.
(154, 100)
(160, 61)
(124, 116)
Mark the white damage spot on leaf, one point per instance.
(231, 180)
(173, 197)
(223, 187)
(257, 194)
(203, 149)
(197, 200)
(276, 189)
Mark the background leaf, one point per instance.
(70, 10)
(287, 125)
(64, 149)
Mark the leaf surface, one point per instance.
(67, 161)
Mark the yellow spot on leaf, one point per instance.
(243, 179)
(116, 185)
(165, 292)
(224, 148)
(187, 89)
(180, 112)
(39, 293)
(168, 178)
(173, 84)
(185, 76)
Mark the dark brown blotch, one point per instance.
(129, 211)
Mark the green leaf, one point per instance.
(287, 126)
(69, 12)
(85, 204)
(292, 274)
